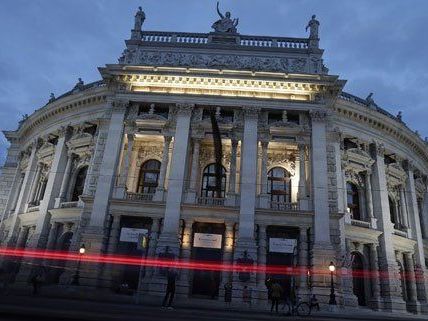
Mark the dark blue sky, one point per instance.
(378, 46)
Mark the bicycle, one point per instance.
(302, 309)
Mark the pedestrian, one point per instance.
(35, 282)
(170, 289)
(246, 295)
(228, 293)
(276, 293)
(314, 302)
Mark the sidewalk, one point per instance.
(105, 302)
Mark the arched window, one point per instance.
(149, 176)
(279, 185)
(353, 201)
(209, 182)
(358, 278)
(79, 184)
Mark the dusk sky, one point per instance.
(378, 46)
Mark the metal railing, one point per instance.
(282, 206)
(211, 201)
(148, 197)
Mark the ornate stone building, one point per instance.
(310, 174)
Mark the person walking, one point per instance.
(170, 289)
(228, 293)
(276, 294)
(247, 295)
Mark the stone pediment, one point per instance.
(396, 174)
(361, 234)
(46, 150)
(81, 144)
(357, 159)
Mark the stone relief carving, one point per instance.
(241, 62)
(207, 155)
(285, 159)
(147, 152)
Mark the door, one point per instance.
(207, 247)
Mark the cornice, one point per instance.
(384, 124)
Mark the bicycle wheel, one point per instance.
(286, 308)
(303, 309)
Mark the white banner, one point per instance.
(128, 234)
(211, 241)
(280, 245)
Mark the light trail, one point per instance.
(198, 265)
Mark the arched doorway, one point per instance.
(358, 278)
(63, 245)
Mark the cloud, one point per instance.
(376, 45)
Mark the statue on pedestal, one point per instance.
(313, 26)
(140, 16)
(225, 24)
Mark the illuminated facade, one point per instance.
(309, 174)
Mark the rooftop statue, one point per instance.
(370, 101)
(140, 16)
(225, 24)
(313, 26)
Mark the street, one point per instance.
(28, 308)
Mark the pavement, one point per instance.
(50, 308)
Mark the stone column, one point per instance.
(303, 194)
(409, 275)
(191, 193)
(23, 195)
(50, 245)
(52, 190)
(186, 251)
(264, 197)
(32, 193)
(261, 261)
(245, 242)
(403, 209)
(422, 283)
(391, 300)
(322, 250)
(127, 161)
(375, 300)
(65, 181)
(22, 235)
(303, 265)
(369, 200)
(169, 235)
(109, 164)
(319, 174)
(248, 174)
(231, 195)
(159, 195)
(112, 271)
(226, 276)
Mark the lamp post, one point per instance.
(76, 275)
(332, 268)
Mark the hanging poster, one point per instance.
(211, 241)
(129, 234)
(281, 245)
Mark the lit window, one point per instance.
(209, 182)
(149, 176)
(279, 185)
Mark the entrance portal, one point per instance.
(358, 278)
(207, 247)
(282, 251)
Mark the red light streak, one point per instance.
(193, 265)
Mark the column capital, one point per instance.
(409, 165)
(264, 143)
(318, 115)
(167, 139)
(119, 105)
(184, 108)
(251, 111)
(378, 149)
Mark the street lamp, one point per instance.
(76, 275)
(332, 268)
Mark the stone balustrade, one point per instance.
(145, 197)
(211, 201)
(247, 41)
(284, 206)
(360, 223)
